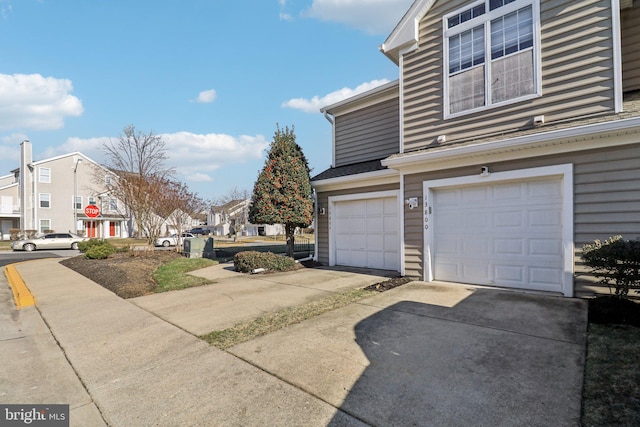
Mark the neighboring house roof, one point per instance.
(364, 167)
(367, 96)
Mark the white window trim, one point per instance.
(40, 169)
(564, 171)
(40, 200)
(360, 196)
(40, 229)
(73, 202)
(488, 16)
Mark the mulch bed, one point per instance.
(611, 309)
(388, 284)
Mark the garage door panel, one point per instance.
(547, 277)
(509, 274)
(474, 246)
(476, 271)
(545, 218)
(514, 246)
(375, 242)
(550, 246)
(473, 195)
(504, 219)
(545, 190)
(507, 234)
(367, 233)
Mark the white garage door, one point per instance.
(366, 233)
(506, 234)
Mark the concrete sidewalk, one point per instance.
(235, 297)
(422, 354)
(141, 370)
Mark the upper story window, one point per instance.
(113, 204)
(491, 55)
(107, 179)
(78, 202)
(44, 175)
(45, 200)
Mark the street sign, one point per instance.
(92, 211)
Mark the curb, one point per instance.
(21, 293)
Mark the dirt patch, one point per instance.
(125, 274)
(388, 284)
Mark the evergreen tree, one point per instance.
(282, 194)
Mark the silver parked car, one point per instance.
(48, 241)
(173, 239)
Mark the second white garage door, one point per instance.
(366, 233)
(505, 234)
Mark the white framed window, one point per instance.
(78, 203)
(44, 175)
(113, 205)
(45, 200)
(45, 225)
(107, 179)
(492, 55)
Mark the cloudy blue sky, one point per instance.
(212, 77)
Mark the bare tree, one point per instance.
(184, 205)
(137, 159)
(233, 195)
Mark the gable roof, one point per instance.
(405, 35)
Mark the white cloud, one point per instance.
(91, 147)
(206, 96)
(314, 104)
(286, 17)
(196, 155)
(199, 177)
(31, 101)
(372, 16)
(5, 9)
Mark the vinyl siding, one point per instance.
(323, 220)
(630, 22)
(606, 197)
(577, 75)
(370, 133)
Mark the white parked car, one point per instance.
(48, 241)
(173, 239)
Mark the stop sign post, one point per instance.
(92, 211)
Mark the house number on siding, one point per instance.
(427, 211)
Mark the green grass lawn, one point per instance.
(611, 394)
(276, 320)
(172, 276)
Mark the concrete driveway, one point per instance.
(423, 354)
(438, 354)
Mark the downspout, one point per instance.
(331, 120)
(333, 137)
(315, 226)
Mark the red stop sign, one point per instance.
(91, 211)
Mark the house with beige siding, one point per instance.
(510, 139)
(50, 195)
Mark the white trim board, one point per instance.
(565, 172)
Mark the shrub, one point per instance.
(88, 244)
(247, 261)
(14, 233)
(96, 248)
(615, 260)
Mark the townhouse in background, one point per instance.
(51, 195)
(234, 215)
(510, 139)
